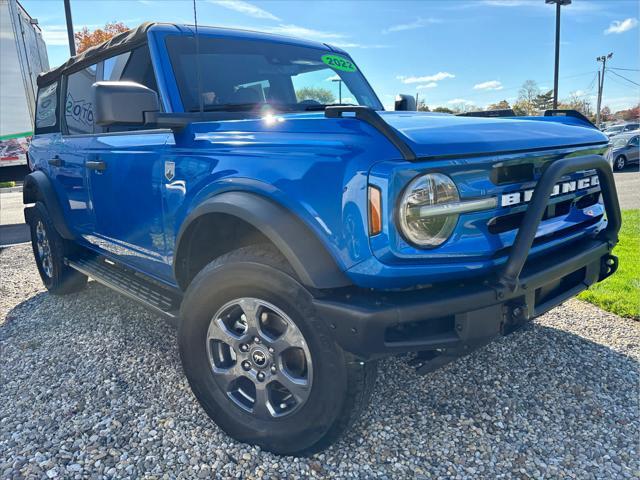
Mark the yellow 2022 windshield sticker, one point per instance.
(339, 63)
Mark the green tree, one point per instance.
(519, 108)
(501, 105)
(320, 95)
(527, 98)
(577, 102)
(423, 107)
(443, 110)
(544, 101)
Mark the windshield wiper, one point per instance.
(322, 106)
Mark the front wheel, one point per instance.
(260, 362)
(620, 163)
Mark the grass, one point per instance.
(7, 184)
(620, 293)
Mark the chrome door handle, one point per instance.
(56, 161)
(99, 166)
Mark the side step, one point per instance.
(160, 299)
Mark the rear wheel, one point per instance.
(620, 163)
(50, 249)
(260, 362)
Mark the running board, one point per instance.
(151, 294)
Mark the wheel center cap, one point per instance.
(259, 358)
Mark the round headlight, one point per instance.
(428, 227)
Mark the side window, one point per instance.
(635, 141)
(114, 66)
(47, 109)
(78, 108)
(138, 68)
(133, 66)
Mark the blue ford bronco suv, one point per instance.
(252, 188)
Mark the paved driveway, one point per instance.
(628, 185)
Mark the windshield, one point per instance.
(243, 74)
(615, 129)
(619, 142)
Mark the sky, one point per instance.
(449, 52)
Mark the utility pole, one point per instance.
(67, 14)
(559, 3)
(602, 59)
(339, 80)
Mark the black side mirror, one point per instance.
(123, 103)
(406, 103)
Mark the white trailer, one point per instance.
(23, 55)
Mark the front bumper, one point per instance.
(450, 319)
(458, 317)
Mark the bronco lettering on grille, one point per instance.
(524, 196)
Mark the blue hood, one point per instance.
(431, 134)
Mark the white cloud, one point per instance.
(418, 23)
(357, 45)
(621, 26)
(245, 8)
(332, 78)
(490, 85)
(291, 30)
(506, 3)
(459, 101)
(428, 78)
(55, 35)
(577, 8)
(427, 85)
(297, 31)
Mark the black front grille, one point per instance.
(512, 221)
(588, 200)
(552, 236)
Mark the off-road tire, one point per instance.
(341, 385)
(61, 279)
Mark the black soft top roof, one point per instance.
(119, 43)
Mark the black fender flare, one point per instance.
(37, 187)
(309, 258)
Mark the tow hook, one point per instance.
(516, 315)
(608, 266)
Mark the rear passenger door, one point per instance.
(126, 180)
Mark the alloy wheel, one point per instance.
(44, 249)
(259, 358)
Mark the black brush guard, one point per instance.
(451, 319)
(509, 278)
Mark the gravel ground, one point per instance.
(92, 387)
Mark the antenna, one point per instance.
(198, 75)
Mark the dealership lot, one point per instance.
(92, 384)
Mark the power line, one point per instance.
(625, 78)
(619, 82)
(627, 69)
